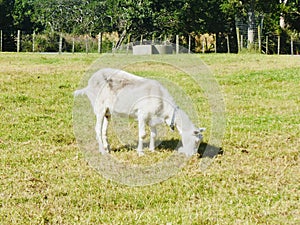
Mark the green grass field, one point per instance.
(45, 179)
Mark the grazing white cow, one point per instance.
(117, 92)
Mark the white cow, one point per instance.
(116, 92)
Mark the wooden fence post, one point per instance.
(177, 44)
(60, 44)
(215, 43)
(73, 45)
(189, 51)
(228, 44)
(267, 44)
(242, 42)
(259, 38)
(99, 42)
(278, 45)
(1, 40)
(87, 44)
(292, 46)
(33, 41)
(18, 41)
(238, 39)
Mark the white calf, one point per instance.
(117, 92)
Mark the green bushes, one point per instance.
(70, 43)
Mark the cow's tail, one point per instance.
(80, 92)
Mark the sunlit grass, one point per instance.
(44, 178)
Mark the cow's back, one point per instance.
(126, 94)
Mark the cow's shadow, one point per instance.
(210, 151)
(204, 150)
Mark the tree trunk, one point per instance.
(251, 25)
(281, 20)
(121, 39)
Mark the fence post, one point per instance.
(33, 41)
(189, 51)
(60, 44)
(215, 43)
(278, 45)
(73, 45)
(99, 42)
(259, 38)
(203, 45)
(177, 44)
(242, 42)
(86, 44)
(292, 46)
(267, 44)
(228, 44)
(18, 41)
(1, 39)
(238, 39)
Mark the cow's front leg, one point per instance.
(98, 129)
(153, 134)
(142, 135)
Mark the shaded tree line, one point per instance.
(151, 18)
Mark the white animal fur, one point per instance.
(113, 91)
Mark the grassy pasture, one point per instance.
(44, 178)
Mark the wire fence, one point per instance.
(19, 41)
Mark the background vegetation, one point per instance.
(44, 178)
(150, 18)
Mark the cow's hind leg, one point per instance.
(98, 129)
(142, 135)
(104, 134)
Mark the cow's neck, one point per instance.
(183, 123)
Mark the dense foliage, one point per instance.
(147, 17)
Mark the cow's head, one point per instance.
(191, 141)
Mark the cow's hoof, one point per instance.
(152, 150)
(103, 152)
(141, 153)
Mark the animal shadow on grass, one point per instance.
(165, 145)
(210, 151)
(204, 150)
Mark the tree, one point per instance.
(149, 17)
(167, 17)
(6, 18)
(290, 14)
(56, 15)
(200, 16)
(22, 15)
(251, 10)
(7, 24)
(133, 17)
(203, 16)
